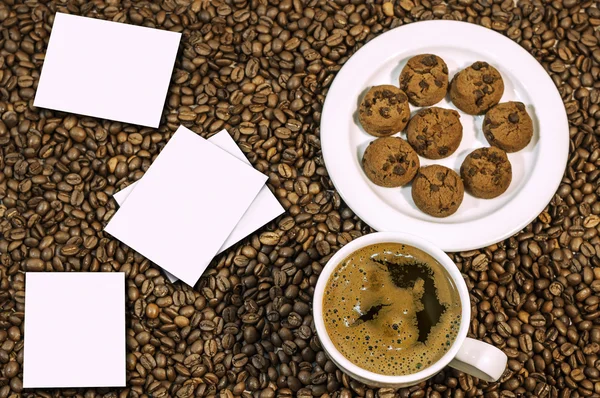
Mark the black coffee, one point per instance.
(391, 309)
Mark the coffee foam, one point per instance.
(388, 344)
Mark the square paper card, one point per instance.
(74, 329)
(264, 208)
(107, 69)
(186, 205)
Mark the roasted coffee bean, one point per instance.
(152, 311)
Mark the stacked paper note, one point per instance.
(263, 209)
(198, 198)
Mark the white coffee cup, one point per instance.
(475, 357)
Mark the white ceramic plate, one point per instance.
(537, 169)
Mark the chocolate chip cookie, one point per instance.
(437, 190)
(486, 172)
(435, 133)
(508, 126)
(384, 111)
(425, 79)
(477, 88)
(390, 162)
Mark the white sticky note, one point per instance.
(107, 69)
(74, 329)
(263, 209)
(187, 204)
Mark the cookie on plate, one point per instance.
(390, 162)
(486, 172)
(477, 88)
(437, 190)
(508, 126)
(424, 79)
(384, 110)
(435, 133)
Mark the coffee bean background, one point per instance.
(262, 69)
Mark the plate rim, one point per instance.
(551, 178)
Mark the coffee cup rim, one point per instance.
(402, 238)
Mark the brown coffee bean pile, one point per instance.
(261, 69)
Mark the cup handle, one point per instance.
(480, 359)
